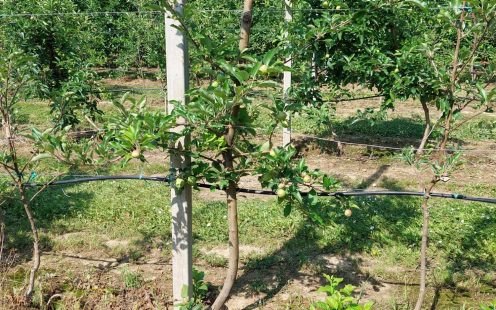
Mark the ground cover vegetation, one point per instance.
(56, 71)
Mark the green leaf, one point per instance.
(41, 156)
(287, 209)
(269, 55)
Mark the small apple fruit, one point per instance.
(348, 212)
(272, 153)
(338, 7)
(180, 183)
(396, 70)
(215, 84)
(307, 179)
(281, 193)
(325, 4)
(191, 180)
(135, 153)
(281, 116)
(263, 69)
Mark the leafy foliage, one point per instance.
(338, 299)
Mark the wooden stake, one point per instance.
(286, 132)
(177, 85)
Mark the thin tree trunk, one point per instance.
(232, 270)
(442, 152)
(424, 244)
(36, 244)
(427, 130)
(246, 20)
(232, 216)
(228, 156)
(2, 235)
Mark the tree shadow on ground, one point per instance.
(377, 222)
(330, 247)
(48, 207)
(395, 133)
(54, 209)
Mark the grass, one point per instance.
(132, 279)
(384, 231)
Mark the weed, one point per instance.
(199, 292)
(132, 279)
(338, 299)
(215, 260)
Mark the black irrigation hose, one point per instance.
(266, 192)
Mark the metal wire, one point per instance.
(313, 137)
(78, 13)
(237, 11)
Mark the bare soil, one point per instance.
(95, 280)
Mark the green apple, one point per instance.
(325, 4)
(338, 7)
(348, 213)
(215, 84)
(307, 179)
(263, 69)
(191, 180)
(180, 183)
(281, 116)
(396, 70)
(135, 153)
(281, 193)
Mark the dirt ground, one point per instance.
(96, 279)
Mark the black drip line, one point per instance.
(337, 194)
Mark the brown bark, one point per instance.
(36, 243)
(442, 152)
(424, 244)
(232, 216)
(16, 174)
(427, 130)
(2, 235)
(231, 191)
(246, 20)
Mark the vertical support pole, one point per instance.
(286, 132)
(177, 80)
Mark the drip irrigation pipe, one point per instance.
(355, 193)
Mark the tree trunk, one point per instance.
(232, 215)
(36, 244)
(246, 20)
(228, 156)
(423, 252)
(427, 130)
(2, 235)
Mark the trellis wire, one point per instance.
(310, 137)
(234, 11)
(78, 13)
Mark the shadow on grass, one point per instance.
(68, 208)
(49, 206)
(329, 247)
(397, 133)
(379, 222)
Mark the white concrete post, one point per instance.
(177, 85)
(286, 132)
